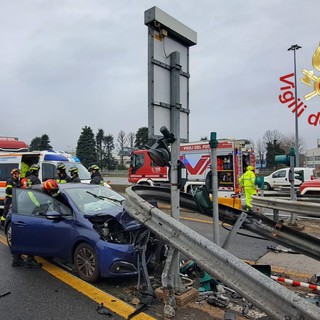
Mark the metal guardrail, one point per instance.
(272, 298)
(257, 223)
(299, 207)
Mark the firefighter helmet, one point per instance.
(73, 170)
(15, 170)
(61, 166)
(34, 167)
(50, 185)
(93, 167)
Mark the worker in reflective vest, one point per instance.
(247, 182)
(62, 176)
(33, 178)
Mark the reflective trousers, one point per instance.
(249, 191)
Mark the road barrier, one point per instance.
(272, 298)
(299, 207)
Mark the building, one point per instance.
(313, 157)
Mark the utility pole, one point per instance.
(293, 48)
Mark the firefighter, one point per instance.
(51, 187)
(247, 182)
(96, 177)
(62, 176)
(33, 179)
(12, 182)
(74, 172)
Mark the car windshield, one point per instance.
(83, 172)
(94, 200)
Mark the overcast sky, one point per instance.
(66, 64)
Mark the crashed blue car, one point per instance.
(91, 230)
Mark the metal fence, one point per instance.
(272, 298)
(299, 207)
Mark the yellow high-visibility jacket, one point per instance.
(247, 180)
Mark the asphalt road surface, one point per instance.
(34, 294)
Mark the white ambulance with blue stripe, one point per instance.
(47, 161)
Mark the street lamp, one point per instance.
(295, 47)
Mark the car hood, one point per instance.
(127, 222)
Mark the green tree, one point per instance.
(35, 144)
(273, 149)
(142, 138)
(109, 160)
(272, 140)
(86, 147)
(45, 142)
(100, 151)
(40, 143)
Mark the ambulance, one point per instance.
(14, 154)
(47, 161)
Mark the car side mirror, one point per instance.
(53, 215)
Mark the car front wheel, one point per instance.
(86, 263)
(267, 186)
(9, 234)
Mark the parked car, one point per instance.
(310, 187)
(92, 230)
(280, 178)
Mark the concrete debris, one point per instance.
(218, 300)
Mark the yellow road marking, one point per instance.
(117, 306)
(196, 220)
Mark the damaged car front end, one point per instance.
(90, 230)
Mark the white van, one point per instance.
(280, 178)
(47, 160)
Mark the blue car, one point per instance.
(89, 229)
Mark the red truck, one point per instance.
(12, 144)
(233, 156)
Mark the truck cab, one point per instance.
(143, 170)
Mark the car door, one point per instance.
(33, 232)
(279, 178)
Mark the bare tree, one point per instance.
(290, 141)
(272, 136)
(261, 151)
(131, 138)
(122, 139)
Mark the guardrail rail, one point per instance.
(272, 298)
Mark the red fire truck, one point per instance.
(233, 156)
(12, 144)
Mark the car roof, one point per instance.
(71, 185)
